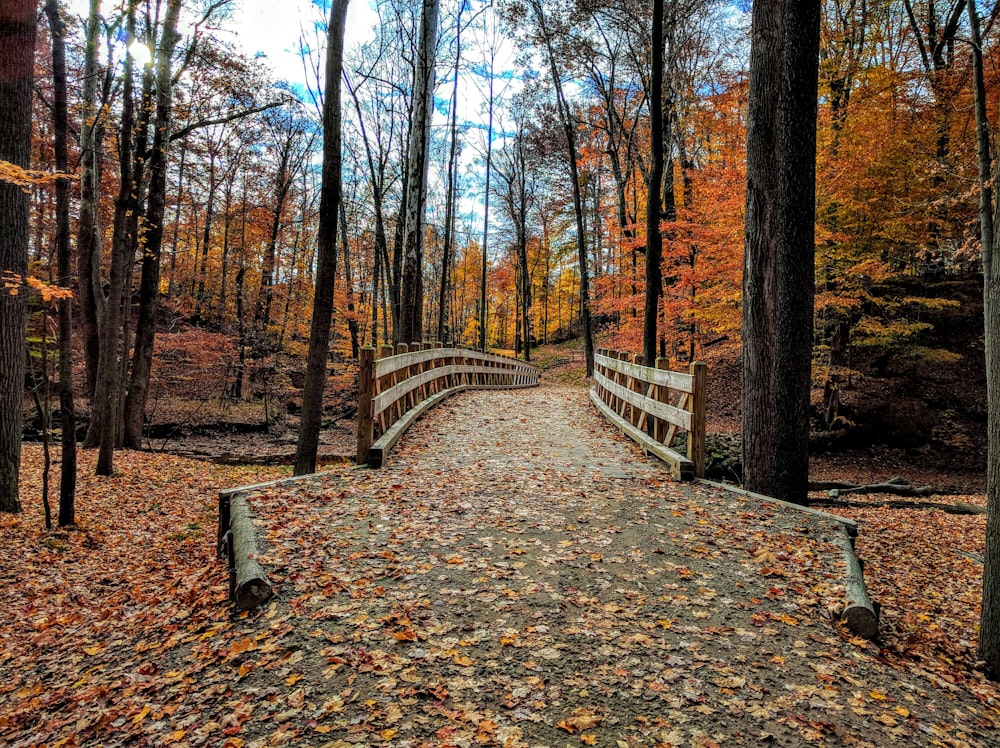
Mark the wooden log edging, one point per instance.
(860, 612)
(249, 586)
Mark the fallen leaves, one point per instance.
(581, 719)
(461, 597)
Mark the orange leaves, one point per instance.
(244, 645)
(404, 635)
(581, 719)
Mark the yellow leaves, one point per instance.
(456, 560)
(878, 695)
(886, 719)
(581, 719)
(142, 715)
(292, 679)
(245, 669)
(903, 712)
(786, 619)
(27, 178)
(96, 649)
(508, 640)
(664, 623)
(588, 739)
(405, 635)
(389, 734)
(463, 660)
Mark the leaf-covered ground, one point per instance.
(518, 575)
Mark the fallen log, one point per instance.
(859, 612)
(971, 556)
(961, 509)
(894, 486)
(252, 587)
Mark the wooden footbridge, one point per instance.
(500, 454)
(651, 405)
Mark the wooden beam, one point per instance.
(680, 466)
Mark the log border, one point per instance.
(860, 613)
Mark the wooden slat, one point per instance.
(680, 466)
(392, 364)
(673, 379)
(661, 410)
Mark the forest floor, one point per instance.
(518, 575)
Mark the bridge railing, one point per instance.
(399, 385)
(637, 400)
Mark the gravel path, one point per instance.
(519, 575)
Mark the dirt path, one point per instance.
(519, 575)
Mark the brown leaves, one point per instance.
(581, 719)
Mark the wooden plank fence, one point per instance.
(398, 386)
(637, 400)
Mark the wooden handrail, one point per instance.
(399, 386)
(636, 399)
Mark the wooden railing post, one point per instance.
(366, 391)
(662, 394)
(696, 436)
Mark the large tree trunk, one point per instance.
(67, 484)
(989, 622)
(326, 273)
(778, 283)
(411, 288)
(149, 283)
(18, 22)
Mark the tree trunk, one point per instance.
(411, 287)
(206, 238)
(654, 242)
(352, 322)
(18, 22)
(67, 483)
(149, 284)
(450, 197)
(989, 622)
(326, 274)
(483, 318)
(778, 284)
(88, 242)
(104, 420)
(569, 131)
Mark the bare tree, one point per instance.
(330, 198)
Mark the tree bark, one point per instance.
(67, 483)
(778, 284)
(989, 621)
(654, 241)
(326, 274)
(18, 24)
(88, 242)
(411, 290)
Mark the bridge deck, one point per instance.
(520, 575)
